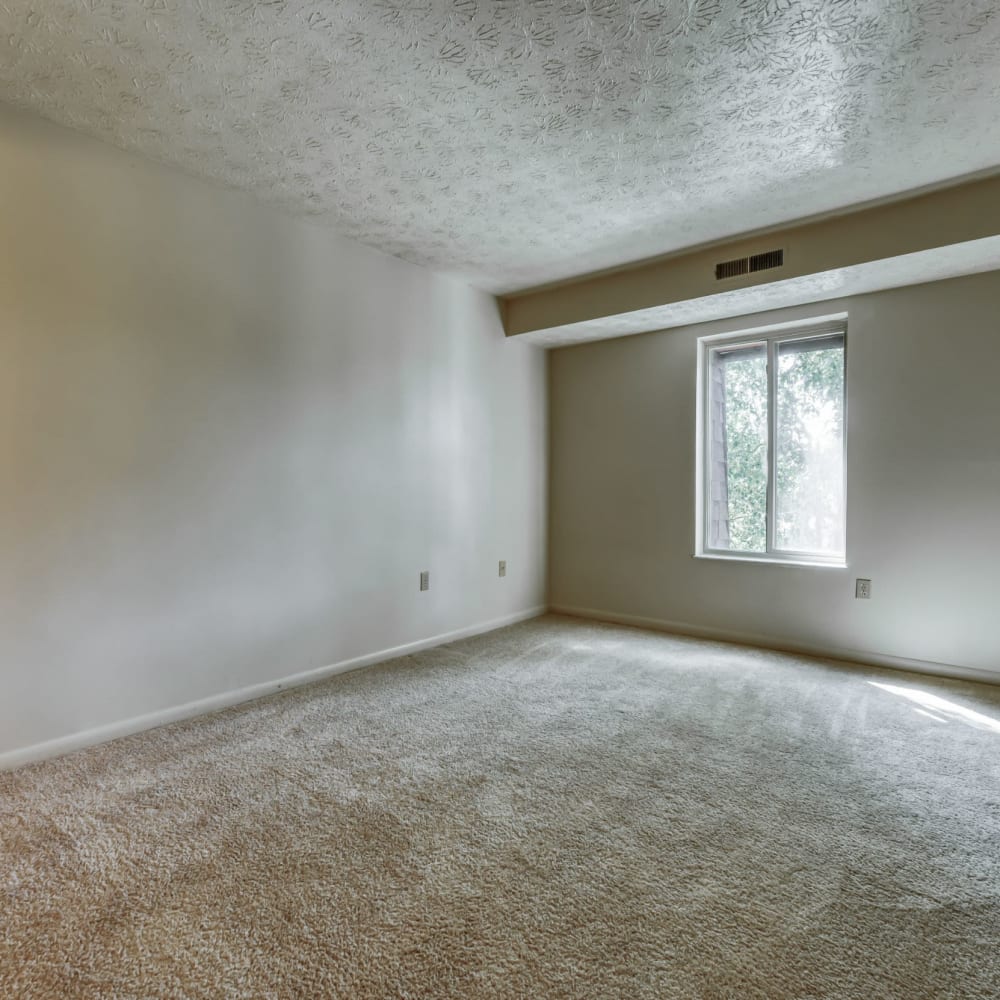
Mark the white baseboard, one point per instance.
(784, 645)
(126, 727)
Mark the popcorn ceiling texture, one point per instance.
(559, 809)
(515, 142)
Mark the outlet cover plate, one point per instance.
(425, 579)
(862, 589)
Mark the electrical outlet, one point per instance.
(503, 567)
(862, 589)
(425, 580)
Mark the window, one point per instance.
(772, 444)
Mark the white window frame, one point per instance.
(771, 336)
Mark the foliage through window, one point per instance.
(773, 448)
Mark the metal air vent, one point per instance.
(748, 265)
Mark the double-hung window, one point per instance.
(772, 444)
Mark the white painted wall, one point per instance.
(923, 485)
(230, 441)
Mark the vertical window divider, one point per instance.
(772, 427)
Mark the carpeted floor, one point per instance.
(558, 809)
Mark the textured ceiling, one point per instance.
(516, 142)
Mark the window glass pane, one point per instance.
(737, 453)
(809, 446)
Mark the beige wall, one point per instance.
(923, 485)
(230, 441)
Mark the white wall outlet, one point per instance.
(503, 567)
(862, 589)
(425, 580)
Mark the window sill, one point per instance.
(770, 560)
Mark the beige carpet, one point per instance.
(559, 809)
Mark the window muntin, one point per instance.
(773, 445)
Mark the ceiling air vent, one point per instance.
(747, 265)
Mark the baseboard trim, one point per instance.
(127, 727)
(783, 645)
